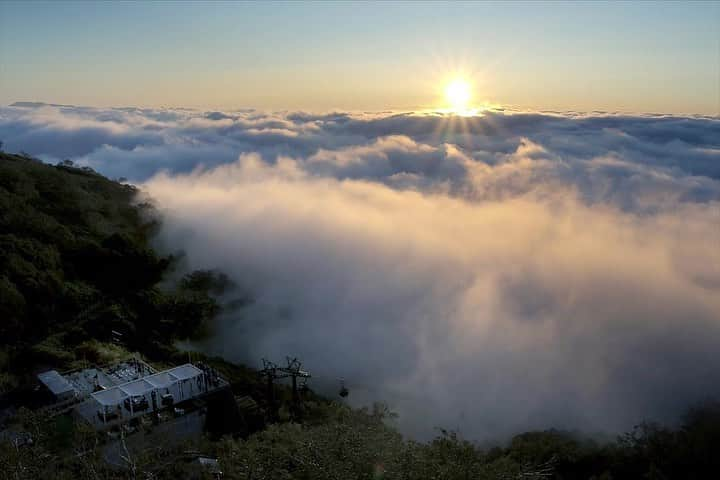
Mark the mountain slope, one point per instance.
(76, 263)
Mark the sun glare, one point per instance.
(457, 94)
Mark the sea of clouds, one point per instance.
(494, 273)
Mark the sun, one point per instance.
(457, 94)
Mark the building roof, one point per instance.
(161, 380)
(136, 387)
(184, 372)
(110, 397)
(115, 395)
(55, 382)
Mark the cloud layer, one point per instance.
(499, 273)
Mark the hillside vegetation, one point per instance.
(76, 264)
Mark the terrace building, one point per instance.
(109, 396)
(151, 393)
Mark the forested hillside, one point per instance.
(76, 264)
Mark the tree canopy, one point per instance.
(76, 263)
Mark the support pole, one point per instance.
(295, 398)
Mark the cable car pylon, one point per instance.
(272, 372)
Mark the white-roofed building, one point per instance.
(149, 393)
(185, 372)
(110, 397)
(136, 387)
(58, 385)
(109, 404)
(161, 380)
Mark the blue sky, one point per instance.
(638, 56)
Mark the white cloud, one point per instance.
(507, 272)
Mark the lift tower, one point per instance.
(272, 372)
